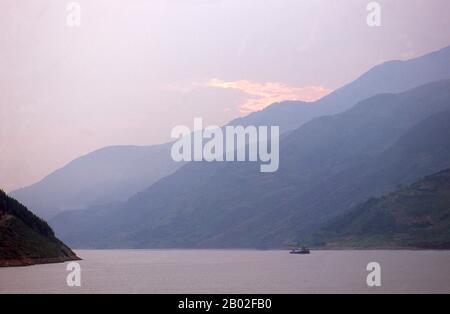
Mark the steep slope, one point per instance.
(108, 175)
(26, 239)
(116, 173)
(326, 166)
(417, 216)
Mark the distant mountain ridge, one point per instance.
(107, 175)
(417, 216)
(26, 239)
(389, 77)
(95, 179)
(327, 166)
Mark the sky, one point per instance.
(135, 69)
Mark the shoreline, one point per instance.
(36, 261)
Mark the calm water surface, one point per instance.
(236, 271)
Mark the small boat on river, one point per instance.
(300, 251)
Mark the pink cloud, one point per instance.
(265, 94)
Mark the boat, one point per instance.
(300, 251)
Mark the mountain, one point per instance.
(326, 166)
(104, 176)
(389, 77)
(116, 173)
(26, 239)
(417, 216)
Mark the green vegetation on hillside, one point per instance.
(25, 239)
(417, 216)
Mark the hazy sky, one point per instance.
(135, 68)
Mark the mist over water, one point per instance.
(236, 271)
